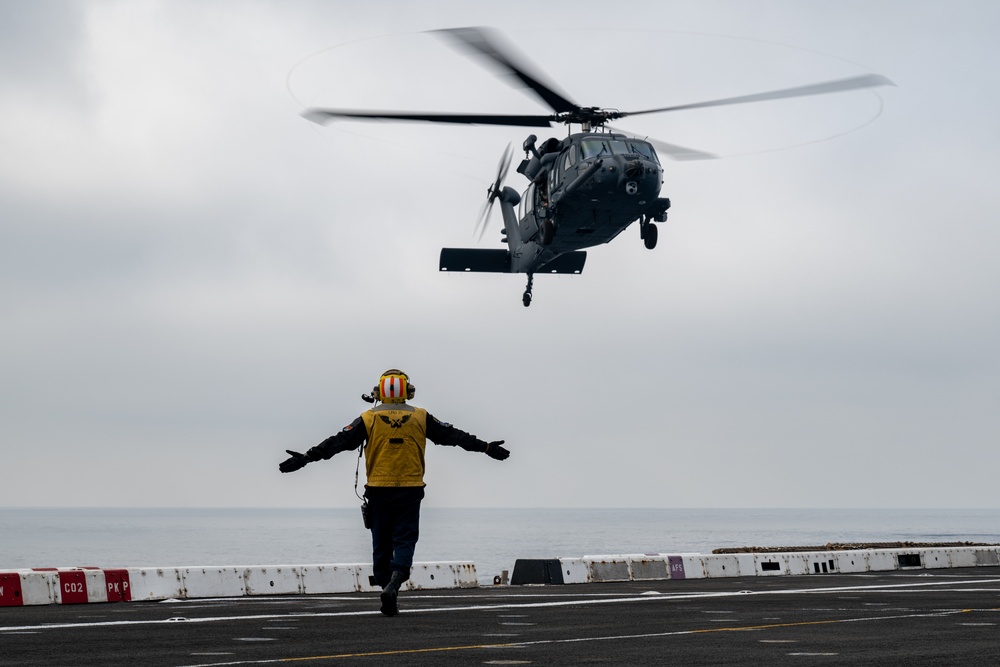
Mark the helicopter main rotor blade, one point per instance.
(851, 83)
(673, 151)
(323, 116)
(488, 43)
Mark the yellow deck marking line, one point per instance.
(409, 651)
(514, 605)
(541, 642)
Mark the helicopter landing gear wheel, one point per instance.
(526, 298)
(649, 236)
(548, 232)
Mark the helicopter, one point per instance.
(583, 189)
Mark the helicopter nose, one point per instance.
(634, 170)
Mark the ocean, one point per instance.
(491, 538)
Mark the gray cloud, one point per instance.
(193, 278)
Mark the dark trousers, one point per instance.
(395, 518)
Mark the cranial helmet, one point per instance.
(394, 387)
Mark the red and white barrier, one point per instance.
(91, 584)
(80, 585)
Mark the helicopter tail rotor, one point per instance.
(493, 192)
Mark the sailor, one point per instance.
(396, 435)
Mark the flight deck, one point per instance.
(901, 617)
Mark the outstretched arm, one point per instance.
(443, 433)
(350, 437)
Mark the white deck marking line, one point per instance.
(543, 642)
(490, 607)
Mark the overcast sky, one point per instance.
(194, 278)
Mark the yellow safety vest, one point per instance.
(394, 455)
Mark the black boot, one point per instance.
(390, 592)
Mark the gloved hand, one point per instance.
(293, 463)
(495, 450)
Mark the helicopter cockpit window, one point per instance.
(643, 149)
(528, 201)
(592, 148)
(570, 158)
(619, 147)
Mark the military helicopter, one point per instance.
(585, 188)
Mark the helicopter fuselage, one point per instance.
(583, 191)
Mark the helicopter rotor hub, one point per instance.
(587, 116)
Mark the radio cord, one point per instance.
(357, 470)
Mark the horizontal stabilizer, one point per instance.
(474, 259)
(570, 262)
(498, 261)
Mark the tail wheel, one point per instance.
(649, 238)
